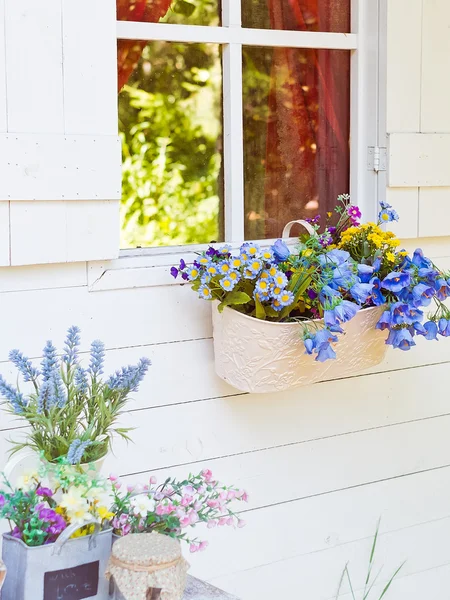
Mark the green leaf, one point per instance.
(234, 298)
(184, 8)
(260, 311)
(271, 312)
(298, 285)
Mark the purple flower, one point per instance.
(332, 230)
(16, 533)
(2, 500)
(174, 272)
(43, 491)
(182, 265)
(353, 211)
(212, 252)
(185, 276)
(312, 294)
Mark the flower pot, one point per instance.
(70, 569)
(261, 356)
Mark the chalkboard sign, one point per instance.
(72, 584)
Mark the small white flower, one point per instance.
(142, 505)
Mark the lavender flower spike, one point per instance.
(50, 361)
(24, 365)
(129, 378)
(71, 346)
(13, 396)
(80, 380)
(76, 451)
(44, 397)
(97, 358)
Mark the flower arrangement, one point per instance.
(330, 276)
(71, 411)
(174, 506)
(38, 514)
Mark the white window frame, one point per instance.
(362, 42)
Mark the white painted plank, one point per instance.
(406, 203)
(419, 159)
(93, 230)
(38, 232)
(317, 575)
(34, 66)
(434, 211)
(56, 167)
(16, 279)
(3, 103)
(90, 67)
(404, 45)
(435, 116)
(4, 234)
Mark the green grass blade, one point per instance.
(388, 585)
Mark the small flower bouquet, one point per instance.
(71, 411)
(175, 506)
(60, 537)
(342, 278)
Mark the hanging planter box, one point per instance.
(70, 569)
(261, 356)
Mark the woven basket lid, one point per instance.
(146, 549)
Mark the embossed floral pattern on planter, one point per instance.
(260, 356)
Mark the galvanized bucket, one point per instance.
(69, 569)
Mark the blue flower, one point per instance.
(400, 338)
(309, 345)
(286, 298)
(326, 293)
(227, 284)
(50, 361)
(44, 400)
(24, 365)
(396, 281)
(324, 337)
(129, 378)
(365, 273)
(224, 267)
(334, 257)
(361, 291)
(444, 327)
(442, 289)
(193, 273)
(76, 450)
(376, 264)
(343, 276)
(377, 297)
(212, 269)
(255, 265)
(225, 250)
(97, 358)
(280, 279)
(204, 292)
(57, 393)
(400, 313)
(346, 310)
(326, 352)
(423, 294)
(329, 317)
(430, 275)
(71, 346)
(385, 321)
(430, 330)
(419, 260)
(262, 287)
(280, 251)
(387, 213)
(267, 255)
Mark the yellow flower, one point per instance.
(329, 214)
(390, 257)
(104, 513)
(76, 506)
(394, 243)
(307, 252)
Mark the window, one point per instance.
(237, 118)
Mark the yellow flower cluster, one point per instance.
(384, 241)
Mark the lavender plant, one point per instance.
(71, 411)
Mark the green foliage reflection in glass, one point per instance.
(170, 123)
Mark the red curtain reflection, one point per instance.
(307, 154)
(129, 51)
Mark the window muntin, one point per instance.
(233, 39)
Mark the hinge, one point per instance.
(376, 158)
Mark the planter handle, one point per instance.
(68, 533)
(287, 230)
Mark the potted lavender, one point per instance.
(71, 411)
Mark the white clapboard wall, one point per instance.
(321, 464)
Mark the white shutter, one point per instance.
(60, 155)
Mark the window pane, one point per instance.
(296, 135)
(170, 120)
(187, 12)
(299, 15)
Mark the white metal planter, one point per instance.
(261, 356)
(69, 569)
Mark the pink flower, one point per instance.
(113, 477)
(230, 521)
(241, 523)
(211, 524)
(193, 517)
(244, 497)
(201, 490)
(223, 496)
(207, 475)
(145, 488)
(138, 488)
(123, 519)
(188, 490)
(198, 505)
(180, 512)
(160, 510)
(223, 521)
(193, 548)
(213, 503)
(126, 529)
(153, 480)
(118, 484)
(231, 495)
(185, 522)
(203, 546)
(130, 488)
(186, 500)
